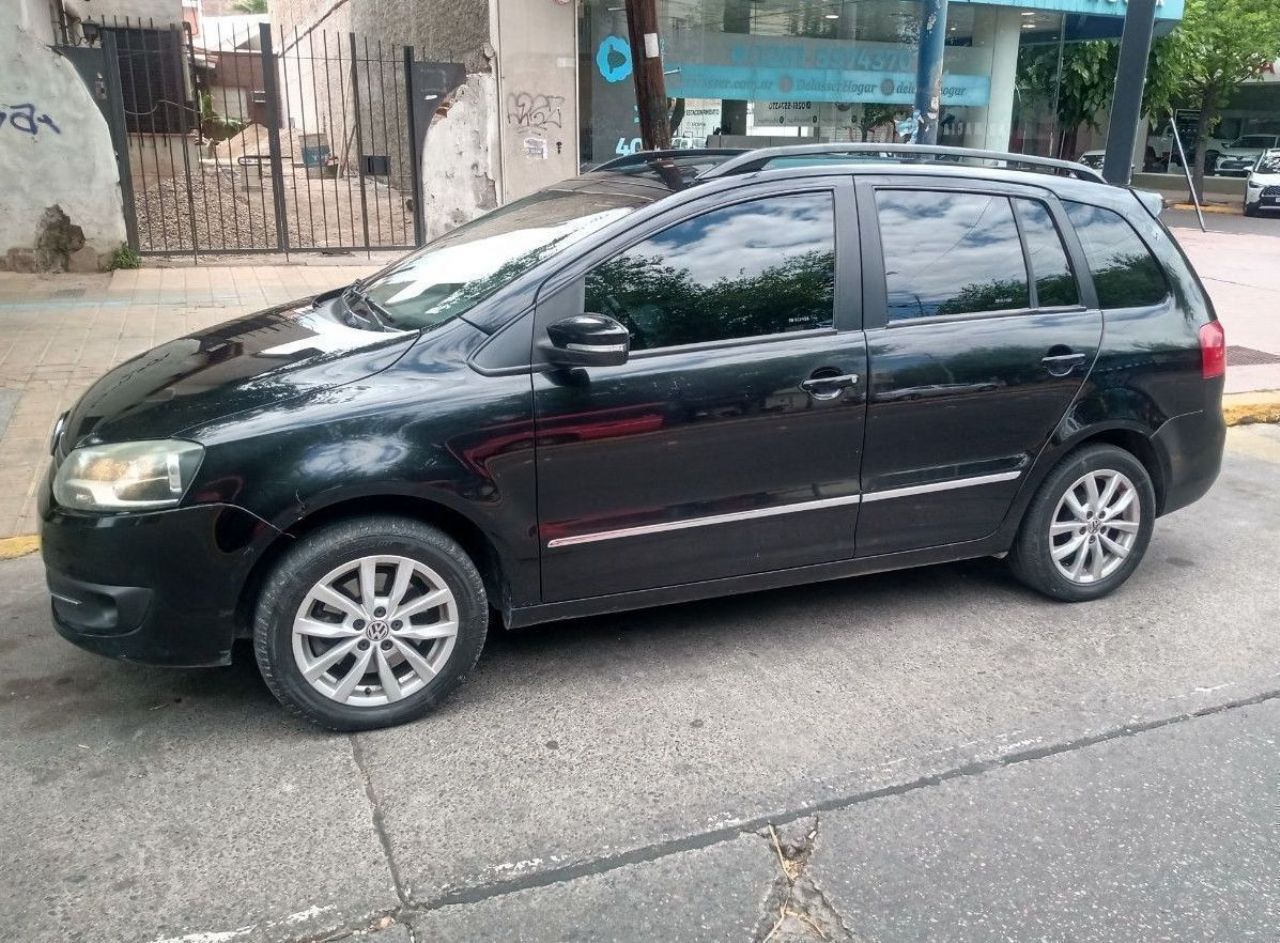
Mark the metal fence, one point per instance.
(245, 138)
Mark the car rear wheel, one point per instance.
(1087, 527)
(369, 623)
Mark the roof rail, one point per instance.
(760, 158)
(646, 157)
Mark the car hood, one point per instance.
(1263, 180)
(263, 358)
(1240, 151)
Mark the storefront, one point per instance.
(769, 71)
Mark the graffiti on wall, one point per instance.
(535, 112)
(23, 118)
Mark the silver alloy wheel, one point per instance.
(1095, 526)
(375, 630)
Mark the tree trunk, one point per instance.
(1067, 143)
(1208, 106)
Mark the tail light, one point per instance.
(1213, 350)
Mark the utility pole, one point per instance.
(1126, 103)
(933, 37)
(646, 68)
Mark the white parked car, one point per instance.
(1238, 159)
(1262, 189)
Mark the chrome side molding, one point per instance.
(705, 521)
(796, 508)
(941, 486)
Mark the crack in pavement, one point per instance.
(796, 908)
(658, 850)
(379, 823)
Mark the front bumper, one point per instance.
(158, 588)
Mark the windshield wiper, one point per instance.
(355, 296)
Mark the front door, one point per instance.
(730, 441)
(979, 335)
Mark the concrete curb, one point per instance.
(1239, 409)
(1210, 208)
(13, 547)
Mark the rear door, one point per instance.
(980, 333)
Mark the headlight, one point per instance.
(127, 476)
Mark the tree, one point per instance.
(250, 6)
(1218, 45)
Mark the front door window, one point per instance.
(762, 267)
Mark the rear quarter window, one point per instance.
(1125, 273)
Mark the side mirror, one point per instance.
(587, 340)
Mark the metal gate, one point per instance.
(244, 138)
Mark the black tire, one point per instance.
(319, 553)
(1031, 558)
(1250, 210)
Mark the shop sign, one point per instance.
(743, 67)
(784, 114)
(1165, 9)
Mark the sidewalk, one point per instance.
(1242, 275)
(59, 333)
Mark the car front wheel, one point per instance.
(1087, 527)
(369, 622)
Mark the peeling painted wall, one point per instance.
(538, 89)
(458, 161)
(55, 148)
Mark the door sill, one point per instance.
(520, 617)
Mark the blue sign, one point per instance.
(747, 83)
(1165, 9)
(612, 46)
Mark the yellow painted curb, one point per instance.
(11, 547)
(1241, 409)
(1211, 208)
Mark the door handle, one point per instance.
(1059, 365)
(828, 387)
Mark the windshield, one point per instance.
(1269, 164)
(1254, 140)
(455, 272)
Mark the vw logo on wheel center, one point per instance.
(377, 630)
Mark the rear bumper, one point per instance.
(1191, 448)
(159, 588)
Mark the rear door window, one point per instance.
(948, 252)
(1125, 274)
(1055, 282)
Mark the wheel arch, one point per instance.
(1135, 439)
(470, 536)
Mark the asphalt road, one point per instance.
(944, 755)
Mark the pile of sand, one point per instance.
(254, 140)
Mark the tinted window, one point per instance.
(1055, 282)
(950, 253)
(1124, 273)
(763, 267)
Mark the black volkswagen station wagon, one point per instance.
(678, 376)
